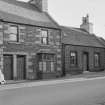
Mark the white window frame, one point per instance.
(44, 37)
(13, 33)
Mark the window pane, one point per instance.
(73, 58)
(13, 37)
(44, 33)
(44, 66)
(96, 60)
(73, 54)
(13, 29)
(44, 56)
(12, 33)
(52, 66)
(52, 57)
(44, 37)
(44, 41)
(46, 62)
(40, 57)
(40, 66)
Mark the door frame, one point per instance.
(25, 72)
(87, 57)
(12, 61)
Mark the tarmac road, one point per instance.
(89, 92)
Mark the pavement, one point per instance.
(87, 75)
(68, 78)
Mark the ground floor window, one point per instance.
(46, 62)
(73, 58)
(96, 59)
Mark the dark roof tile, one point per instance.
(79, 37)
(21, 12)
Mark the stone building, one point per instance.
(30, 41)
(82, 50)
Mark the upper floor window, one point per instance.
(13, 33)
(44, 37)
(96, 59)
(73, 58)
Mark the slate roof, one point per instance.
(76, 36)
(101, 40)
(22, 12)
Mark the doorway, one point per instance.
(8, 67)
(85, 61)
(21, 70)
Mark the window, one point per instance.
(13, 33)
(96, 59)
(46, 62)
(44, 37)
(73, 58)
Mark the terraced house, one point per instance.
(30, 41)
(83, 51)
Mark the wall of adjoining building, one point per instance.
(80, 50)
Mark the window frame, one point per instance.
(42, 61)
(46, 38)
(97, 65)
(75, 60)
(17, 34)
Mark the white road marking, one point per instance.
(43, 83)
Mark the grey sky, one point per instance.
(70, 13)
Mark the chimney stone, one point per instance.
(41, 4)
(86, 25)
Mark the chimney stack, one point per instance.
(86, 25)
(41, 4)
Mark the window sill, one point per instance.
(15, 42)
(41, 72)
(48, 45)
(75, 66)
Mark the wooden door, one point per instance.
(85, 62)
(21, 73)
(8, 67)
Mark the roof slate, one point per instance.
(101, 40)
(22, 12)
(76, 36)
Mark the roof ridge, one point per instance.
(21, 4)
(75, 37)
(74, 29)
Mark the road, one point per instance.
(89, 92)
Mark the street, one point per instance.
(89, 92)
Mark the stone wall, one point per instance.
(80, 50)
(29, 44)
(1, 45)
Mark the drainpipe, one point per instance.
(63, 60)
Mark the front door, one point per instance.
(85, 61)
(8, 67)
(21, 73)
